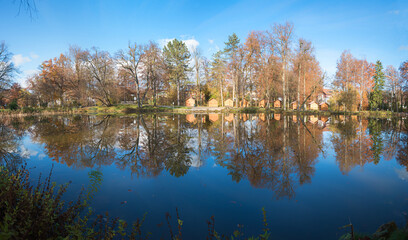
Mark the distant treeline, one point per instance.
(268, 65)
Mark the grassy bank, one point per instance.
(134, 109)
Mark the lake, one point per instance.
(311, 174)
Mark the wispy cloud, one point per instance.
(211, 41)
(34, 56)
(394, 12)
(403, 48)
(19, 60)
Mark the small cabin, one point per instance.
(190, 118)
(277, 104)
(313, 106)
(323, 106)
(228, 103)
(262, 103)
(190, 102)
(213, 117)
(293, 105)
(294, 118)
(213, 103)
(243, 103)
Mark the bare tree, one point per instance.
(7, 68)
(129, 61)
(101, 67)
(153, 69)
(282, 37)
(196, 54)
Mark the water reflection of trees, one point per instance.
(358, 141)
(276, 152)
(11, 133)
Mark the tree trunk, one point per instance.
(284, 86)
(178, 92)
(298, 89)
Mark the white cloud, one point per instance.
(210, 41)
(395, 12)
(19, 59)
(190, 43)
(403, 48)
(34, 56)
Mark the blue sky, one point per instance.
(369, 29)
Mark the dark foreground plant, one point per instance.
(39, 212)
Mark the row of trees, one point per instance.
(267, 65)
(364, 85)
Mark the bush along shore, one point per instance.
(29, 211)
(134, 109)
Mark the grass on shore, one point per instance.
(121, 109)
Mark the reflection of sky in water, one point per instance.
(369, 194)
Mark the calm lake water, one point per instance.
(311, 174)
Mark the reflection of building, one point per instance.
(190, 102)
(262, 117)
(293, 105)
(294, 118)
(190, 118)
(229, 103)
(277, 116)
(229, 117)
(213, 117)
(313, 119)
(213, 103)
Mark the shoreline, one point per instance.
(124, 110)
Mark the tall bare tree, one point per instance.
(282, 37)
(130, 61)
(102, 82)
(7, 68)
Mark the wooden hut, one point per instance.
(277, 104)
(323, 106)
(228, 103)
(294, 118)
(190, 118)
(213, 103)
(313, 105)
(243, 103)
(190, 102)
(213, 117)
(293, 105)
(262, 103)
